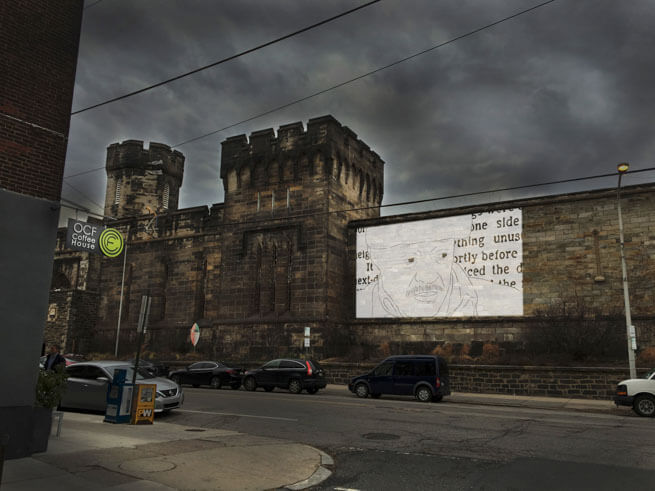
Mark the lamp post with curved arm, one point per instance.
(630, 330)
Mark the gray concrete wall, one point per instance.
(28, 229)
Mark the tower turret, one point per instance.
(140, 178)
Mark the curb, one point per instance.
(319, 475)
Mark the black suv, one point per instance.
(423, 376)
(292, 374)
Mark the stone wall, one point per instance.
(573, 382)
(571, 267)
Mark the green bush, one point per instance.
(50, 387)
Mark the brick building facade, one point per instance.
(38, 58)
(279, 254)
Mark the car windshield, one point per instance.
(140, 375)
(650, 374)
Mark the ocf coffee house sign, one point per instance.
(93, 238)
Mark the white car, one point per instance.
(638, 393)
(87, 384)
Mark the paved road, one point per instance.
(401, 443)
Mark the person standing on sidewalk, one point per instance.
(54, 358)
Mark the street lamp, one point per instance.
(630, 330)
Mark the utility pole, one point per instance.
(630, 329)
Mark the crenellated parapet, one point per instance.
(142, 180)
(130, 154)
(325, 149)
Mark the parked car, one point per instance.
(638, 393)
(88, 382)
(423, 376)
(213, 373)
(69, 360)
(155, 368)
(292, 374)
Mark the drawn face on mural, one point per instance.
(418, 276)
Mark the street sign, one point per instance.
(93, 238)
(82, 236)
(307, 331)
(195, 334)
(306, 342)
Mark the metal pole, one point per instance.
(120, 305)
(626, 296)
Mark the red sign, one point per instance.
(195, 334)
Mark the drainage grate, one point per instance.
(380, 436)
(195, 429)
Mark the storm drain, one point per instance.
(380, 436)
(199, 430)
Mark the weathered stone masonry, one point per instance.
(278, 255)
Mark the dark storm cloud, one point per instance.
(564, 91)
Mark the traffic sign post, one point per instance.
(142, 326)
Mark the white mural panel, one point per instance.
(467, 265)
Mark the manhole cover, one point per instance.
(195, 429)
(380, 436)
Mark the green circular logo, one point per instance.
(111, 242)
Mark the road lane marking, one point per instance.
(234, 414)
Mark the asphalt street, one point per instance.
(400, 443)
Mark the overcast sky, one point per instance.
(564, 91)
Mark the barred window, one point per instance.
(167, 192)
(117, 197)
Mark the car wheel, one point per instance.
(644, 405)
(250, 384)
(295, 386)
(312, 390)
(269, 388)
(437, 398)
(423, 394)
(361, 390)
(176, 379)
(215, 382)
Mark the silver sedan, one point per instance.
(88, 382)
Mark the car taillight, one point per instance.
(229, 371)
(438, 384)
(309, 368)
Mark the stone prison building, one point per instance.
(282, 253)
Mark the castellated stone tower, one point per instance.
(139, 178)
(288, 201)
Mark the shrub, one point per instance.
(490, 353)
(572, 331)
(50, 387)
(445, 351)
(646, 357)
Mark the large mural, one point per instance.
(467, 265)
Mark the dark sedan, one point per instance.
(213, 373)
(292, 374)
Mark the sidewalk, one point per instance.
(91, 454)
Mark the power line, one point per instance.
(413, 202)
(320, 92)
(95, 169)
(315, 94)
(224, 60)
(84, 195)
